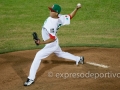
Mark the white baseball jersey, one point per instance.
(51, 25)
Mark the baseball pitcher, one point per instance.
(50, 39)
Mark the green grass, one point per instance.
(96, 24)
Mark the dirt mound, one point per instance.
(59, 74)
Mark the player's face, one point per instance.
(53, 14)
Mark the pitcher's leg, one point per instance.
(34, 67)
(45, 52)
(66, 55)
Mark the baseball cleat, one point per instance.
(81, 61)
(28, 82)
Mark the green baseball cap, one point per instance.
(55, 8)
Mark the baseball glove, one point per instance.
(35, 38)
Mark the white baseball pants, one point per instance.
(45, 52)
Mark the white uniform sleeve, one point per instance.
(50, 27)
(65, 19)
(51, 31)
